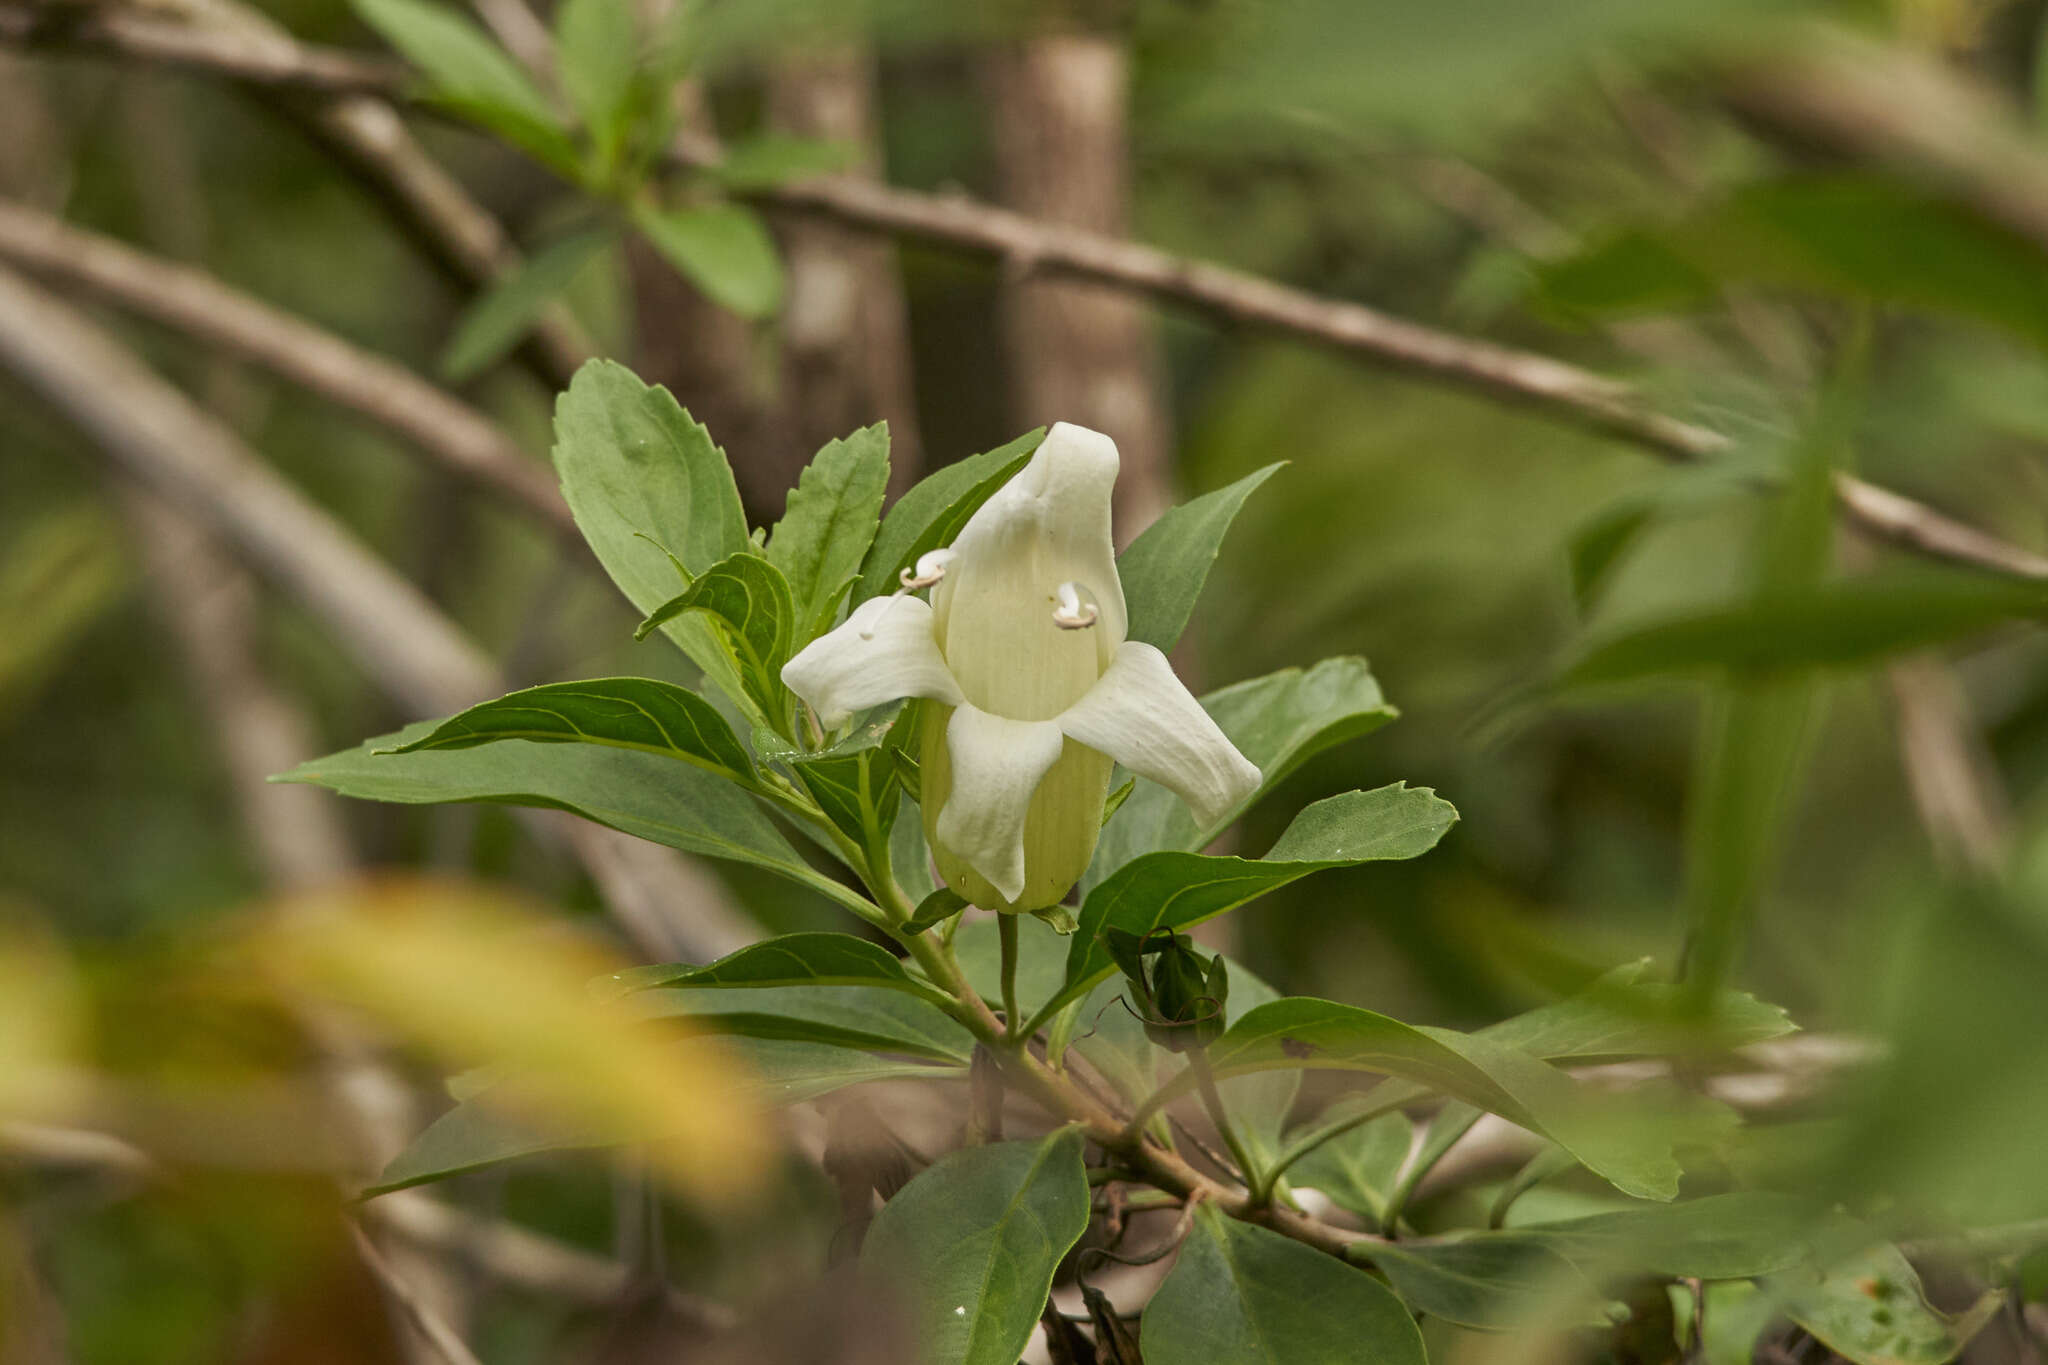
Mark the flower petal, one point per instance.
(883, 651)
(1045, 531)
(1141, 715)
(997, 766)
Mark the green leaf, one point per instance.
(640, 714)
(1165, 569)
(875, 1018)
(929, 515)
(596, 43)
(1828, 625)
(1626, 1140)
(829, 523)
(1356, 1169)
(642, 794)
(747, 597)
(1495, 1282)
(1619, 1016)
(858, 793)
(474, 1136)
(817, 959)
(1858, 237)
(940, 905)
(644, 482)
(471, 74)
(1734, 1236)
(972, 1244)
(1278, 722)
(1245, 1295)
(1871, 1309)
(723, 249)
(494, 323)
(1178, 890)
(770, 159)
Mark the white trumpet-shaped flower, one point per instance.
(1022, 646)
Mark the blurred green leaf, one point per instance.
(628, 713)
(58, 575)
(645, 481)
(819, 959)
(1245, 1295)
(972, 1244)
(1857, 237)
(1356, 1169)
(928, 516)
(749, 599)
(1278, 722)
(769, 159)
(874, 1018)
(829, 523)
(596, 43)
(723, 249)
(493, 324)
(1828, 625)
(1872, 1310)
(1734, 1236)
(1625, 1141)
(472, 74)
(474, 1135)
(1493, 1281)
(641, 794)
(1165, 568)
(1179, 890)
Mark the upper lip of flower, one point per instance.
(1135, 711)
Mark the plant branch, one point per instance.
(456, 435)
(425, 1320)
(1006, 933)
(156, 434)
(1556, 388)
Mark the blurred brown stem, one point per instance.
(667, 907)
(456, 435)
(1561, 390)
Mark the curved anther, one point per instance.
(1070, 612)
(931, 567)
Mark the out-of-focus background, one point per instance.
(1702, 200)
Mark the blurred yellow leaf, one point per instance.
(41, 1023)
(476, 979)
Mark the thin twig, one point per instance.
(424, 1319)
(456, 435)
(666, 906)
(1561, 390)
(252, 57)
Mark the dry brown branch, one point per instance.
(456, 435)
(252, 57)
(1556, 388)
(665, 905)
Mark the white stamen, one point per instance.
(1072, 613)
(931, 567)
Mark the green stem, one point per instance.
(1212, 1100)
(1006, 932)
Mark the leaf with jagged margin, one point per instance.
(750, 601)
(828, 524)
(932, 513)
(645, 481)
